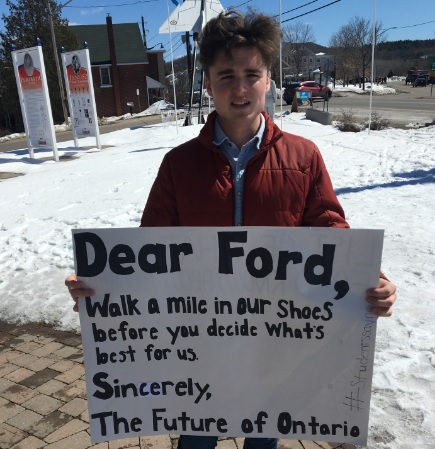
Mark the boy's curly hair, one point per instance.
(233, 30)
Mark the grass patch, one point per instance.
(378, 122)
(347, 122)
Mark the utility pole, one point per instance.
(56, 58)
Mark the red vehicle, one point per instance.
(316, 89)
(413, 74)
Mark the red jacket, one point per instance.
(286, 184)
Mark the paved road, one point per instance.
(409, 105)
(63, 136)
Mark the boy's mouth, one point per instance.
(240, 103)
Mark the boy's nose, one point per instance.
(239, 85)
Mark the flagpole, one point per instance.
(373, 62)
(173, 72)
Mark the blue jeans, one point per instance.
(200, 442)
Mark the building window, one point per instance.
(105, 76)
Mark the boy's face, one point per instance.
(238, 86)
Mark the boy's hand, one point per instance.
(77, 289)
(382, 298)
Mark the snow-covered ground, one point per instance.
(385, 179)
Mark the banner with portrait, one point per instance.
(34, 98)
(80, 93)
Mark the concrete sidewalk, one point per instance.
(43, 396)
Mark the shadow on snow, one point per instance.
(411, 178)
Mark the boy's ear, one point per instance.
(268, 81)
(208, 87)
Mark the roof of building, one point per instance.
(128, 43)
(309, 48)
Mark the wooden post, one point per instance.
(295, 103)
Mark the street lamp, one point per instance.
(161, 47)
(380, 33)
(56, 58)
(377, 35)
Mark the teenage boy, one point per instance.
(242, 169)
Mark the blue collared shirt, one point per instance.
(239, 160)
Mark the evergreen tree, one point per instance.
(28, 20)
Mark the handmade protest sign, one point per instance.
(228, 331)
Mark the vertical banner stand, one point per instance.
(80, 92)
(34, 98)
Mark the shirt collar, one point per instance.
(219, 137)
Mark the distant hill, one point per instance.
(401, 56)
(406, 49)
(311, 47)
(398, 56)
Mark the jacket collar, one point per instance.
(271, 132)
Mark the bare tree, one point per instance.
(182, 87)
(353, 44)
(343, 50)
(296, 37)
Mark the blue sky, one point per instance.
(411, 22)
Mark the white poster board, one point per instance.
(34, 99)
(80, 93)
(228, 331)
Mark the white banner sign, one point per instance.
(35, 101)
(229, 331)
(80, 92)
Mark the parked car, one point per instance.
(289, 90)
(421, 80)
(316, 89)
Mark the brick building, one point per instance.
(121, 66)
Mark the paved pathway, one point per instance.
(43, 396)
